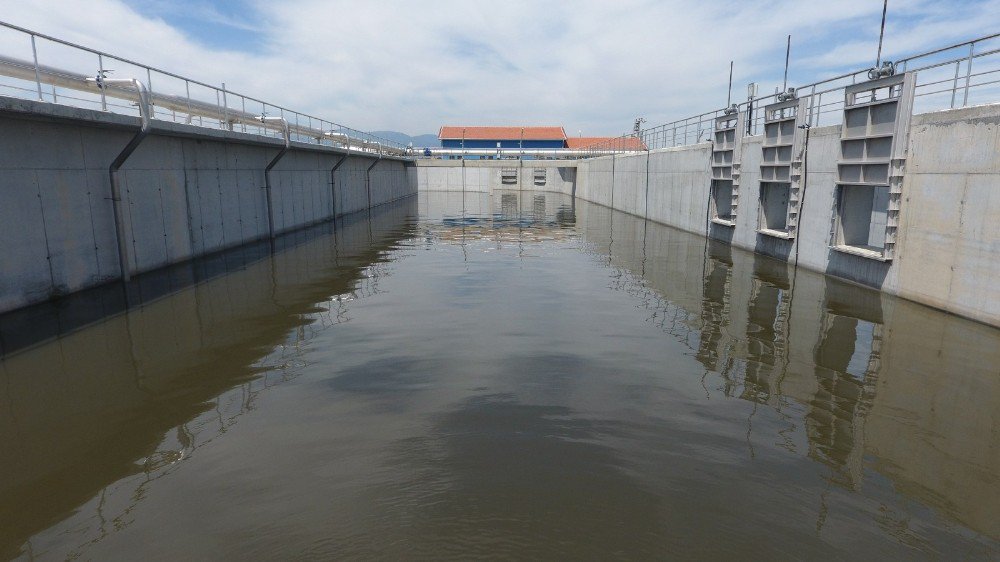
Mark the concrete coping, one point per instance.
(16, 107)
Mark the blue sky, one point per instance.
(591, 66)
(229, 25)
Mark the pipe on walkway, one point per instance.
(113, 170)
(274, 161)
(41, 74)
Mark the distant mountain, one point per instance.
(420, 141)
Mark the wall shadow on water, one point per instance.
(885, 385)
(97, 405)
(513, 479)
(32, 325)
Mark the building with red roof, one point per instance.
(605, 143)
(535, 137)
(502, 137)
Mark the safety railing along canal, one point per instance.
(957, 75)
(44, 68)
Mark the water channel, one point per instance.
(524, 375)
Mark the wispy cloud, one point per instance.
(591, 65)
(478, 52)
(237, 16)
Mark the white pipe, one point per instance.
(25, 70)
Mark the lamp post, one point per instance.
(463, 143)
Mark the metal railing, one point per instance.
(44, 68)
(958, 75)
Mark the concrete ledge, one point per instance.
(45, 111)
(860, 252)
(775, 233)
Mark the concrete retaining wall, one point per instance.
(186, 192)
(485, 176)
(948, 249)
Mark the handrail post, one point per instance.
(100, 72)
(954, 83)
(968, 73)
(38, 78)
(218, 106)
(187, 91)
(149, 88)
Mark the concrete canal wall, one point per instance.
(947, 250)
(487, 176)
(947, 253)
(186, 192)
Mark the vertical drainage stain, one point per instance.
(53, 290)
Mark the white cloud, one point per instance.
(588, 65)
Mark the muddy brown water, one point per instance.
(522, 376)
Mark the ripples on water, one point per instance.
(467, 377)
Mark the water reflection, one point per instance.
(883, 387)
(812, 349)
(121, 402)
(519, 375)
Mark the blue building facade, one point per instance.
(477, 137)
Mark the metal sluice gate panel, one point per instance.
(727, 140)
(781, 168)
(871, 166)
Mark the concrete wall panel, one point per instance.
(230, 193)
(102, 220)
(186, 192)
(949, 234)
(207, 194)
(26, 275)
(65, 202)
(145, 232)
